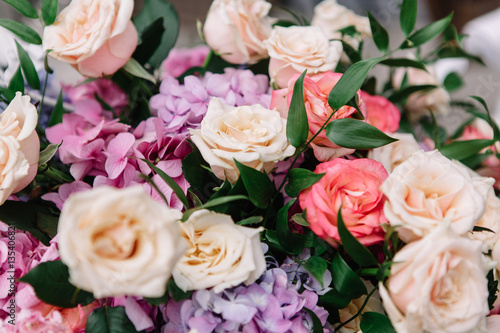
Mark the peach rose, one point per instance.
(119, 242)
(381, 113)
(20, 147)
(437, 284)
(316, 90)
(489, 220)
(97, 37)
(236, 29)
(397, 152)
(354, 185)
(428, 189)
(295, 49)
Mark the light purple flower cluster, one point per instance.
(183, 106)
(272, 304)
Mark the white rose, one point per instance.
(491, 221)
(253, 135)
(395, 153)
(437, 284)
(119, 242)
(236, 29)
(428, 189)
(419, 103)
(221, 254)
(20, 147)
(295, 49)
(333, 17)
(96, 36)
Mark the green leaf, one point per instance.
(408, 16)
(317, 326)
(28, 68)
(49, 11)
(8, 94)
(258, 185)
(47, 154)
(427, 33)
(297, 127)
(150, 40)
(57, 112)
(170, 182)
(358, 252)
(22, 31)
(452, 82)
(317, 267)
(289, 241)
(459, 150)
(109, 320)
(251, 220)
(380, 35)
(51, 283)
(492, 289)
(450, 34)
(374, 322)
(403, 62)
(17, 81)
(177, 293)
(345, 280)
(401, 95)
(213, 203)
(457, 52)
(474, 161)
(493, 125)
(151, 11)
(156, 301)
(301, 218)
(334, 299)
(195, 170)
(350, 82)
(23, 7)
(135, 68)
(300, 179)
(356, 134)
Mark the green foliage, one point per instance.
(109, 320)
(49, 11)
(135, 68)
(317, 267)
(400, 96)
(297, 127)
(345, 280)
(22, 31)
(17, 81)
(258, 185)
(427, 33)
(57, 112)
(380, 35)
(408, 16)
(47, 154)
(150, 40)
(289, 241)
(452, 82)
(213, 203)
(374, 322)
(459, 150)
(300, 179)
(403, 62)
(317, 327)
(28, 68)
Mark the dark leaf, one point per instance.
(49, 11)
(300, 179)
(28, 68)
(109, 320)
(380, 35)
(452, 82)
(150, 41)
(317, 326)
(17, 81)
(408, 16)
(345, 280)
(459, 150)
(57, 112)
(297, 128)
(317, 267)
(401, 95)
(290, 242)
(258, 185)
(374, 322)
(427, 33)
(356, 134)
(22, 31)
(403, 62)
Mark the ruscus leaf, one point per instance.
(297, 128)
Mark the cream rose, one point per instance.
(236, 29)
(491, 221)
(296, 49)
(395, 153)
(20, 147)
(420, 103)
(221, 253)
(253, 135)
(97, 37)
(437, 284)
(428, 189)
(119, 242)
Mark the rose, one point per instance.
(221, 254)
(436, 100)
(316, 90)
(95, 36)
(350, 185)
(381, 113)
(253, 135)
(437, 284)
(489, 221)
(236, 29)
(119, 241)
(395, 153)
(19, 146)
(428, 189)
(295, 49)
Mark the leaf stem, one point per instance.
(358, 313)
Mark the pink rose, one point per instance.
(316, 90)
(97, 37)
(381, 113)
(354, 186)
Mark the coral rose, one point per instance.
(381, 113)
(352, 185)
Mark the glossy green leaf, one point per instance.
(17, 81)
(427, 33)
(49, 11)
(317, 267)
(356, 134)
(213, 203)
(297, 127)
(345, 280)
(317, 326)
(258, 185)
(289, 241)
(150, 40)
(474, 161)
(452, 82)
(28, 68)
(350, 82)
(135, 68)
(300, 179)
(496, 131)
(334, 299)
(403, 62)
(57, 112)
(7, 94)
(170, 182)
(22, 31)
(109, 320)
(401, 95)
(23, 7)
(47, 154)
(358, 252)
(250, 220)
(380, 35)
(450, 34)
(351, 52)
(301, 218)
(51, 283)
(458, 52)
(177, 293)
(408, 16)
(459, 150)
(374, 322)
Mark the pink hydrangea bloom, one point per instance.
(180, 60)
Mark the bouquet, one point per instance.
(265, 181)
